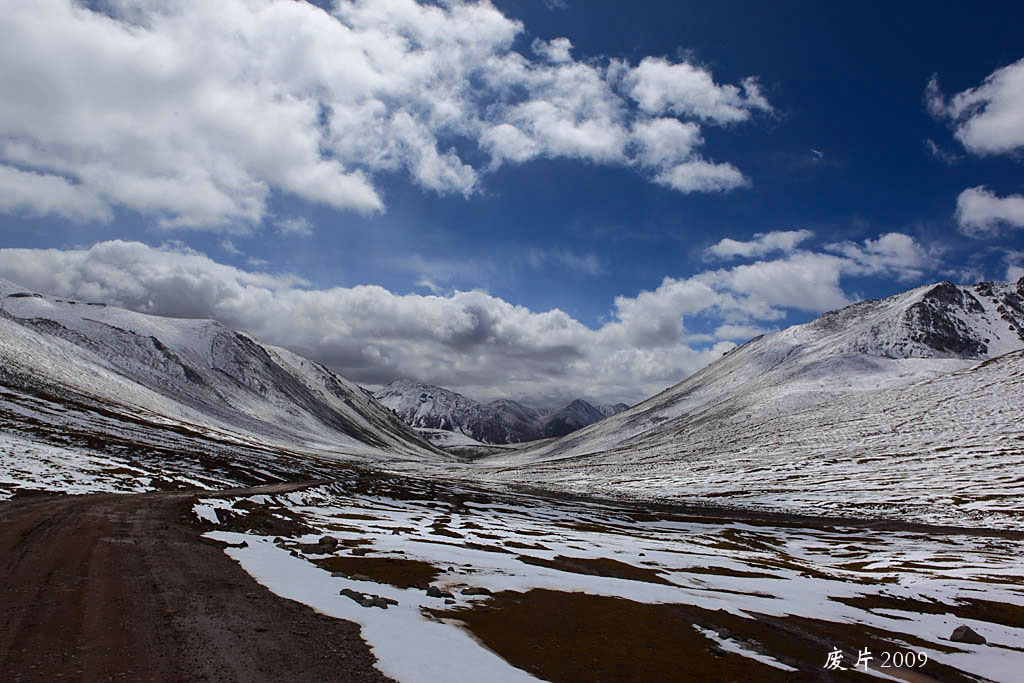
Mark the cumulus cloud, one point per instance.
(556, 50)
(981, 213)
(893, 254)
(42, 193)
(988, 119)
(195, 112)
(661, 87)
(763, 243)
(701, 176)
(471, 341)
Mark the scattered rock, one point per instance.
(367, 600)
(965, 634)
(476, 590)
(359, 552)
(329, 542)
(449, 601)
(435, 592)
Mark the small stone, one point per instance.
(965, 634)
(476, 590)
(435, 592)
(329, 542)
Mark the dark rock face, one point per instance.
(932, 323)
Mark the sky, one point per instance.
(540, 199)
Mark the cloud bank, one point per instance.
(195, 112)
(470, 340)
(987, 120)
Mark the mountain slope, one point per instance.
(425, 406)
(865, 347)
(191, 372)
(577, 415)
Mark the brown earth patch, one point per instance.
(395, 571)
(991, 611)
(725, 571)
(525, 546)
(602, 566)
(569, 637)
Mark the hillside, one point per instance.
(908, 405)
(193, 375)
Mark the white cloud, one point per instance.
(665, 141)
(296, 225)
(763, 243)
(195, 112)
(39, 193)
(893, 254)
(661, 87)
(1014, 265)
(470, 341)
(989, 119)
(701, 176)
(981, 213)
(556, 51)
(229, 247)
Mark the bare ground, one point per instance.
(119, 587)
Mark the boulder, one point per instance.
(965, 634)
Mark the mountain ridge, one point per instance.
(502, 421)
(195, 372)
(869, 345)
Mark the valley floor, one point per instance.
(123, 587)
(183, 570)
(522, 586)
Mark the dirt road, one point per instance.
(122, 587)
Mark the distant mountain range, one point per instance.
(503, 421)
(907, 406)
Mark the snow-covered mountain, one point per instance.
(196, 375)
(503, 421)
(577, 415)
(906, 407)
(863, 348)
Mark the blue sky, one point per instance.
(536, 188)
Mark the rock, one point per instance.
(476, 590)
(367, 600)
(435, 592)
(328, 542)
(359, 552)
(449, 601)
(965, 634)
